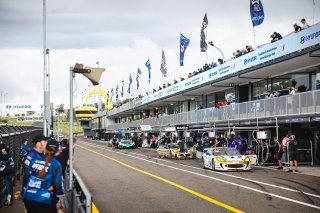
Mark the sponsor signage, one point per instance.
(182, 127)
(289, 44)
(145, 128)
(20, 107)
(170, 129)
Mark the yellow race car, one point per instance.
(173, 151)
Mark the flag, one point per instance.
(256, 11)
(137, 78)
(108, 97)
(117, 93)
(130, 81)
(184, 42)
(203, 43)
(122, 88)
(112, 93)
(163, 67)
(148, 65)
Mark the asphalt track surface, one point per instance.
(138, 181)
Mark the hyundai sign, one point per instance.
(20, 107)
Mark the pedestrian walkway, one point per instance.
(303, 170)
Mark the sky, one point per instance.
(121, 36)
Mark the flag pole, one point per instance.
(206, 41)
(314, 4)
(254, 38)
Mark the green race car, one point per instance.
(126, 144)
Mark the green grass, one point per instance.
(65, 128)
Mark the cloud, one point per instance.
(122, 35)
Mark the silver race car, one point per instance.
(225, 159)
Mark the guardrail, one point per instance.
(79, 199)
(12, 136)
(306, 103)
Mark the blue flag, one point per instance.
(130, 81)
(148, 65)
(184, 42)
(256, 11)
(117, 93)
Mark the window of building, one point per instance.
(315, 81)
(230, 95)
(259, 90)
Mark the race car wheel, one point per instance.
(170, 154)
(202, 161)
(213, 165)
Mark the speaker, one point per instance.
(94, 74)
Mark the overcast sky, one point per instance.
(121, 35)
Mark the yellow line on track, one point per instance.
(197, 194)
(94, 208)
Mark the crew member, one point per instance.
(7, 171)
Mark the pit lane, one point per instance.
(258, 191)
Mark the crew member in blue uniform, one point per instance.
(6, 170)
(42, 182)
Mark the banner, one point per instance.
(130, 81)
(163, 67)
(184, 42)
(117, 93)
(203, 42)
(137, 78)
(256, 11)
(148, 65)
(122, 88)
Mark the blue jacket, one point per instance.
(42, 190)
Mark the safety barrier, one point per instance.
(301, 104)
(12, 136)
(79, 199)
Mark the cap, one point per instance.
(303, 19)
(52, 145)
(39, 138)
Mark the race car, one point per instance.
(173, 151)
(126, 144)
(225, 159)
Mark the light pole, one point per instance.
(211, 44)
(94, 75)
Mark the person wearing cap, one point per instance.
(42, 182)
(6, 170)
(305, 25)
(297, 28)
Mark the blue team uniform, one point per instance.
(45, 190)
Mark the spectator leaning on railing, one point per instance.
(305, 25)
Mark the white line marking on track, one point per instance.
(213, 178)
(218, 173)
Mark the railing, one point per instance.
(306, 103)
(79, 199)
(127, 106)
(12, 136)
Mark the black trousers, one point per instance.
(35, 207)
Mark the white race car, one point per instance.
(225, 159)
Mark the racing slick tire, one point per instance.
(202, 162)
(213, 166)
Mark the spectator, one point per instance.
(63, 155)
(297, 28)
(244, 51)
(293, 153)
(154, 90)
(275, 37)
(189, 75)
(163, 86)
(220, 60)
(292, 91)
(238, 53)
(269, 94)
(305, 25)
(6, 171)
(249, 48)
(279, 152)
(175, 81)
(181, 78)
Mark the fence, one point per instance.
(12, 136)
(79, 199)
(307, 103)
